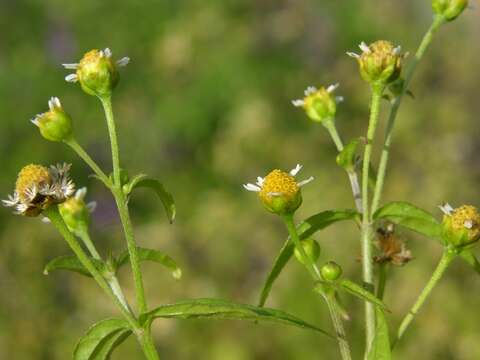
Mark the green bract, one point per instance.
(311, 248)
(55, 124)
(75, 212)
(449, 9)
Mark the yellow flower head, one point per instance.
(38, 187)
(461, 226)
(96, 72)
(55, 124)
(319, 104)
(279, 191)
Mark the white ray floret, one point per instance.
(468, 224)
(332, 88)
(446, 208)
(364, 47)
(305, 182)
(71, 78)
(251, 187)
(123, 61)
(296, 170)
(71, 66)
(397, 50)
(310, 90)
(107, 52)
(54, 102)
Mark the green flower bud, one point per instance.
(331, 271)
(311, 248)
(279, 191)
(347, 158)
(380, 63)
(449, 9)
(96, 72)
(55, 124)
(319, 104)
(460, 226)
(76, 213)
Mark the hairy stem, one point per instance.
(54, 215)
(445, 261)
(315, 273)
(367, 265)
(352, 175)
(121, 202)
(426, 41)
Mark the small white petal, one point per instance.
(468, 224)
(46, 220)
(275, 193)
(56, 101)
(71, 78)
(339, 99)
(305, 182)
(91, 206)
(70, 66)
(298, 103)
(310, 90)
(353, 55)
(251, 187)
(446, 208)
(107, 52)
(364, 47)
(123, 61)
(80, 194)
(296, 170)
(260, 181)
(333, 87)
(35, 121)
(397, 50)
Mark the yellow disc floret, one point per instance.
(280, 192)
(29, 177)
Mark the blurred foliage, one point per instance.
(205, 105)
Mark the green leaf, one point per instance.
(223, 309)
(107, 345)
(471, 259)
(360, 292)
(166, 198)
(98, 337)
(71, 263)
(152, 255)
(381, 343)
(278, 265)
(305, 230)
(411, 217)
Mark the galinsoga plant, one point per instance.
(50, 192)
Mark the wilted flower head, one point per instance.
(38, 187)
(96, 72)
(392, 248)
(449, 9)
(55, 124)
(460, 226)
(279, 191)
(380, 62)
(319, 104)
(76, 213)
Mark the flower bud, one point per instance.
(311, 248)
(380, 62)
(279, 191)
(460, 226)
(96, 72)
(75, 212)
(449, 9)
(319, 104)
(331, 271)
(55, 124)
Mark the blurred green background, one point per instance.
(205, 106)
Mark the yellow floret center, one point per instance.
(278, 182)
(30, 176)
(463, 214)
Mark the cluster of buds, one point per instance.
(320, 105)
(38, 187)
(449, 9)
(460, 226)
(279, 191)
(96, 72)
(380, 62)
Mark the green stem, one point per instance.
(445, 261)
(382, 280)
(352, 175)
(123, 208)
(367, 265)
(112, 279)
(426, 41)
(112, 132)
(148, 345)
(88, 160)
(315, 273)
(54, 215)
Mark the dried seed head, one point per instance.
(392, 248)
